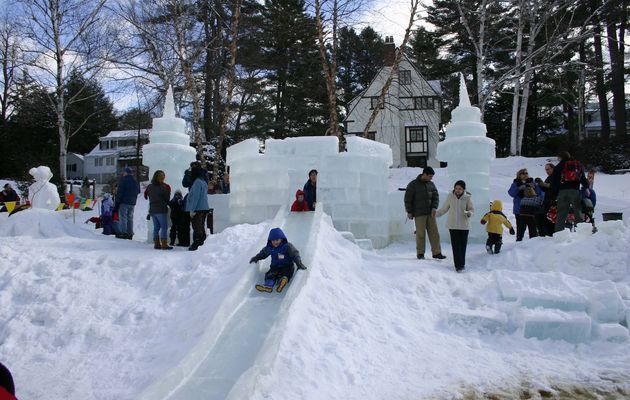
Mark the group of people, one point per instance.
(566, 194)
(117, 212)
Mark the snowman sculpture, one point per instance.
(42, 193)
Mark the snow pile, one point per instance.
(42, 223)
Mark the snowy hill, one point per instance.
(86, 316)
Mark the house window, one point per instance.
(374, 103)
(98, 162)
(405, 77)
(417, 145)
(423, 103)
(110, 160)
(104, 145)
(371, 135)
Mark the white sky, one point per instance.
(390, 17)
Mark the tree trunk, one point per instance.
(581, 93)
(600, 84)
(517, 85)
(616, 50)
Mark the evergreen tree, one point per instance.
(135, 118)
(90, 114)
(31, 135)
(290, 55)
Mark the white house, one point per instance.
(409, 120)
(74, 166)
(114, 152)
(593, 126)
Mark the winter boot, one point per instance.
(156, 244)
(165, 245)
(194, 246)
(489, 249)
(263, 288)
(497, 248)
(439, 256)
(282, 283)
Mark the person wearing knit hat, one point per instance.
(421, 203)
(126, 197)
(460, 208)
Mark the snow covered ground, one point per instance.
(84, 316)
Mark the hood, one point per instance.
(497, 205)
(299, 192)
(276, 233)
(106, 196)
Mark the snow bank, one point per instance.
(41, 223)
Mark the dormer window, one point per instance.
(405, 77)
(374, 103)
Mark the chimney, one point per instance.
(390, 51)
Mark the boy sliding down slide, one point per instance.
(283, 255)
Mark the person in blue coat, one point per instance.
(197, 206)
(126, 196)
(283, 256)
(107, 214)
(527, 203)
(310, 189)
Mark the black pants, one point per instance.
(523, 222)
(180, 228)
(495, 240)
(199, 227)
(277, 272)
(459, 241)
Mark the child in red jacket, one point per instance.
(299, 204)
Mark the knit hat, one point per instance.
(428, 171)
(460, 183)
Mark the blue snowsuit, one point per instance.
(282, 257)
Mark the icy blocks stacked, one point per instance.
(351, 185)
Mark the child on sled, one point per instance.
(283, 255)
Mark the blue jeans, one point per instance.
(125, 214)
(160, 225)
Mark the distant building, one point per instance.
(74, 166)
(593, 125)
(409, 121)
(114, 152)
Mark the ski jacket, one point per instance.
(556, 179)
(158, 196)
(128, 190)
(310, 194)
(284, 254)
(299, 206)
(421, 197)
(11, 195)
(188, 178)
(107, 206)
(197, 197)
(459, 211)
(495, 219)
(517, 191)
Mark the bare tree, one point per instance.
(236, 17)
(67, 36)
(394, 68)
(329, 16)
(10, 62)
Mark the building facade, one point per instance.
(409, 119)
(117, 150)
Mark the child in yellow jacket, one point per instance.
(495, 220)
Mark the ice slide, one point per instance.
(245, 331)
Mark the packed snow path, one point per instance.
(246, 333)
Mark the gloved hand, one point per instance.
(469, 214)
(301, 266)
(192, 214)
(252, 260)
(512, 231)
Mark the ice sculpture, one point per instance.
(169, 146)
(469, 153)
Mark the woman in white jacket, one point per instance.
(459, 207)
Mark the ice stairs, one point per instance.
(242, 332)
(365, 244)
(550, 305)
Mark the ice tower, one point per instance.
(469, 153)
(169, 146)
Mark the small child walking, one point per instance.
(283, 255)
(495, 220)
(107, 214)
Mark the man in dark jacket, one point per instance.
(8, 194)
(126, 196)
(421, 202)
(565, 185)
(310, 189)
